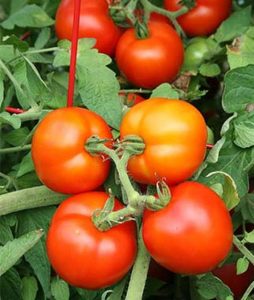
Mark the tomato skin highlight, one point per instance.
(204, 18)
(175, 135)
(81, 254)
(59, 155)
(150, 61)
(95, 22)
(192, 234)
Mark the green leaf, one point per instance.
(10, 285)
(28, 16)
(88, 294)
(211, 287)
(165, 90)
(11, 252)
(22, 46)
(239, 89)
(244, 130)
(7, 52)
(247, 207)
(209, 70)
(249, 237)
(27, 76)
(37, 257)
(6, 233)
(60, 289)
(234, 26)
(97, 84)
(234, 161)
(16, 137)
(241, 52)
(6, 118)
(57, 83)
(242, 265)
(229, 192)
(26, 165)
(118, 290)
(42, 38)
(29, 288)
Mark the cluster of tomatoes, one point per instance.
(151, 60)
(193, 233)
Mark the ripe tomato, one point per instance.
(204, 18)
(192, 234)
(59, 155)
(175, 135)
(95, 22)
(237, 283)
(150, 61)
(81, 254)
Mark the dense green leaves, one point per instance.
(37, 257)
(239, 89)
(12, 251)
(234, 26)
(97, 84)
(28, 16)
(211, 287)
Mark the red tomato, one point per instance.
(237, 283)
(175, 135)
(204, 18)
(81, 254)
(150, 61)
(58, 150)
(192, 234)
(95, 22)
(131, 99)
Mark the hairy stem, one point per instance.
(28, 198)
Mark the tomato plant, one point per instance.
(193, 234)
(80, 253)
(95, 22)
(58, 150)
(147, 62)
(134, 153)
(204, 18)
(175, 136)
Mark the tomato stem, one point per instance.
(15, 149)
(139, 272)
(131, 145)
(74, 49)
(29, 198)
(171, 15)
(243, 249)
(248, 291)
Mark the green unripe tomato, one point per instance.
(196, 53)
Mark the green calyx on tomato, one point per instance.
(58, 150)
(81, 254)
(193, 233)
